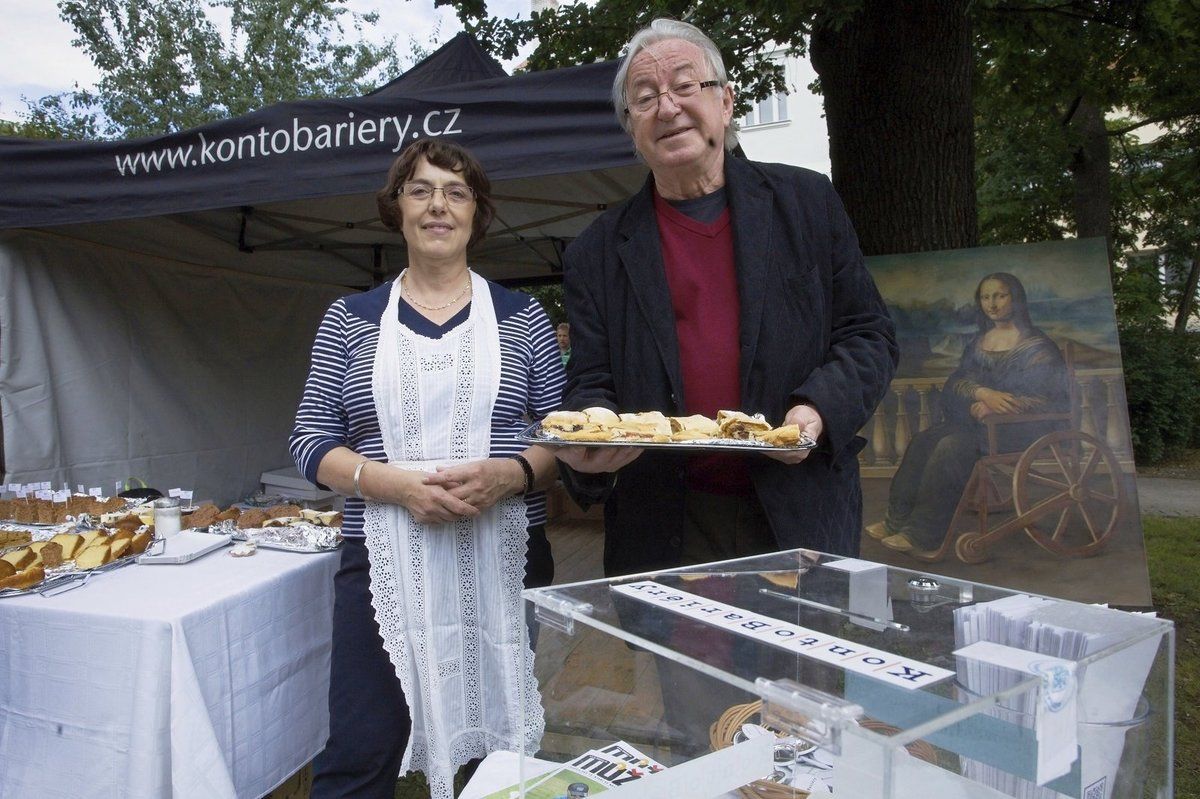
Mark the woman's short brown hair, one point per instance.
(444, 155)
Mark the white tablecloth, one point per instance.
(208, 679)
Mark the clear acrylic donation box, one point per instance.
(796, 674)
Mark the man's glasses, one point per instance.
(455, 193)
(647, 102)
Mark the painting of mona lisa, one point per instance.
(1002, 454)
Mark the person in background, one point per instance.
(722, 284)
(416, 392)
(563, 333)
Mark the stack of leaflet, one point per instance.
(1109, 689)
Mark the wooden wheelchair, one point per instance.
(1064, 490)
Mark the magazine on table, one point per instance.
(597, 770)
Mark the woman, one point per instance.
(416, 392)
(1008, 367)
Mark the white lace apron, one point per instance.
(448, 596)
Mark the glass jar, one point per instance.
(166, 517)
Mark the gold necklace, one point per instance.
(425, 307)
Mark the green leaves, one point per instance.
(168, 65)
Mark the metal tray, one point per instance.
(65, 578)
(534, 435)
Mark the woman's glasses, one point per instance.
(455, 193)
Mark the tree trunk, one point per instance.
(1187, 300)
(1090, 172)
(897, 84)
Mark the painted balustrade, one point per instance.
(913, 404)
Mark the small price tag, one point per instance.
(186, 496)
(79, 489)
(15, 487)
(174, 492)
(46, 486)
(21, 494)
(44, 493)
(118, 487)
(95, 492)
(62, 496)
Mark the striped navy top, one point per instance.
(338, 407)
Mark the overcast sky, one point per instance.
(37, 59)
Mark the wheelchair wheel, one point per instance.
(1067, 489)
(970, 549)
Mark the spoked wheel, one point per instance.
(970, 548)
(1068, 484)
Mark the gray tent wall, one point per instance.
(157, 322)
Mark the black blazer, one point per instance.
(813, 329)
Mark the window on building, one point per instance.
(766, 111)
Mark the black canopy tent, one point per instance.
(158, 297)
(288, 190)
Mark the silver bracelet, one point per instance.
(358, 475)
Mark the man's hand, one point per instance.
(810, 422)
(979, 410)
(597, 460)
(480, 484)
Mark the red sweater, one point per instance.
(698, 258)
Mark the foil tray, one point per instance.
(534, 435)
(66, 577)
(280, 538)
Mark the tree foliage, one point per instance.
(1087, 124)
(908, 190)
(166, 65)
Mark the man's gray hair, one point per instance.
(661, 30)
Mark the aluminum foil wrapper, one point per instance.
(301, 536)
(82, 522)
(225, 527)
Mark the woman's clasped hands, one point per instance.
(430, 503)
(463, 490)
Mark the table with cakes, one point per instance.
(134, 665)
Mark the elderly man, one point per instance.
(723, 283)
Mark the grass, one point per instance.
(1173, 551)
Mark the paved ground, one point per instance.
(1165, 496)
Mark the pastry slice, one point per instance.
(19, 558)
(26, 578)
(786, 436)
(562, 424)
(227, 514)
(601, 416)
(49, 554)
(120, 548)
(71, 543)
(93, 557)
(740, 426)
(693, 428)
(254, 517)
(120, 535)
(92, 536)
(649, 426)
(139, 542)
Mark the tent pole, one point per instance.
(377, 264)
